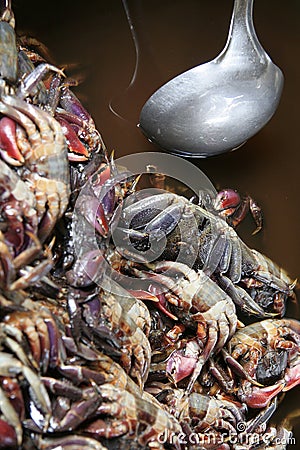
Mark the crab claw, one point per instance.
(154, 296)
(162, 302)
(101, 176)
(180, 366)
(10, 151)
(143, 295)
(292, 377)
(182, 363)
(71, 104)
(74, 143)
(227, 199)
(260, 397)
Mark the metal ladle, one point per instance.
(215, 107)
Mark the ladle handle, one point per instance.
(242, 38)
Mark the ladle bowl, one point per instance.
(217, 106)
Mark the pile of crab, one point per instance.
(128, 319)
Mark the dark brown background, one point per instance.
(176, 35)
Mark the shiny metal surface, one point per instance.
(217, 106)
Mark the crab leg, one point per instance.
(34, 77)
(241, 298)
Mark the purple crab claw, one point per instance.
(233, 209)
(182, 363)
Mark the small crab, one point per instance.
(230, 206)
(265, 358)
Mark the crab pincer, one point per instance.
(234, 209)
(265, 356)
(8, 141)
